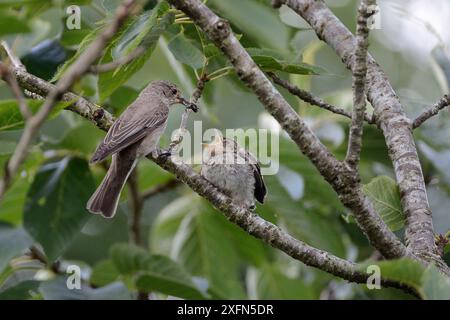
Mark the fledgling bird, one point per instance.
(134, 134)
(235, 171)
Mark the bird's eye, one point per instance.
(174, 91)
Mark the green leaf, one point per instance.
(12, 243)
(143, 31)
(256, 20)
(84, 44)
(55, 206)
(154, 272)
(435, 286)
(269, 60)
(104, 273)
(405, 270)
(385, 196)
(21, 291)
(11, 118)
(429, 282)
(269, 282)
(10, 24)
(73, 37)
(43, 59)
(82, 138)
(164, 275)
(56, 289)
(11, 206)
(200, 247)
(186, 52)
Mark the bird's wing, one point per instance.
(126, 131)
(260, 186)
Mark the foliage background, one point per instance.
(191, 251)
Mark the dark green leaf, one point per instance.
(154, 272)
(55, 206)
(44, 59)
(10, 24)
(163, 275)
(20, 291)
(385, 196)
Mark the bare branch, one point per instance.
(431, 111)
(393, 121)
(335, 172)
(74, 72)
(359, 84)
(169, 185)
(247, 220)
(311, 99)
(117, 63)
(136, 204)
(7, 55)
(178, 137)
(9, 77)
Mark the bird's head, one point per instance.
(171, 94)
(215, 147)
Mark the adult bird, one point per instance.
(133, 135)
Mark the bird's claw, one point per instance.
(161, 153)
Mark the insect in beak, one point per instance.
(188, 104)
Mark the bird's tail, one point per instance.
(105, 199)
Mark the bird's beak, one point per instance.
(188, 104)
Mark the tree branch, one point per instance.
(9, 77)
(431, 111)
(178, 137)
(393, 121)
(359, 84)
(310, 98)
(136, 204)
(169, 185)
(335, 172)
(74, 72)
(247, 220)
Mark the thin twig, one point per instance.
(359, 84)
(311, 99)
(247, 220)
(74, 72)
(169, 185)
(431, 111)
(117, 63)
(178, 136)
(136, 205)
(391, 119)
(10, 78)
(334, 171)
